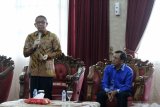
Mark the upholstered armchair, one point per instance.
(69, 76)
(6, 75)
(141, 82)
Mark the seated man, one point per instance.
(116, 81)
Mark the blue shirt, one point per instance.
(120, 80)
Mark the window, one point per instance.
(149, 47)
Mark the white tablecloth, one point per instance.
(55, 103)
(145, 105)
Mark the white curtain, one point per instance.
(150, 49)
(17, 21)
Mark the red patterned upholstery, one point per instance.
(141, 82)
(6, 75)
(69, 76)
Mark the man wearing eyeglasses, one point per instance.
(116, 81)
(42, 46)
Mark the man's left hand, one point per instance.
(111, 95)
(43, 57)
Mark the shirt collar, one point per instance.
(122, 66)
(45, 33)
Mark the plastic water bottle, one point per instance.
(34, 92)
(63, 95)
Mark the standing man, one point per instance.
(42, 47)
(116, 81)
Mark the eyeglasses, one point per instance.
(40, 22)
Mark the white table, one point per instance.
(145, 105)
(55, 103)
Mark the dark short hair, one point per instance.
(123, 55)
(41, 16)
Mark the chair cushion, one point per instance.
(61, 71)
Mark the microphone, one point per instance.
(39, 35)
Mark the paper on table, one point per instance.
(39, 96)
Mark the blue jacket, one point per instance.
(120, 80)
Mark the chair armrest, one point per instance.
(93, 82)
(21, 82)
(4, 73)
(140, 85)
(75, 77)
(24, 83)
(141, 79)
(147, 88)
(21, 76)
(76, 83)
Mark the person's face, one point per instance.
(116, 59)
(41, 24)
